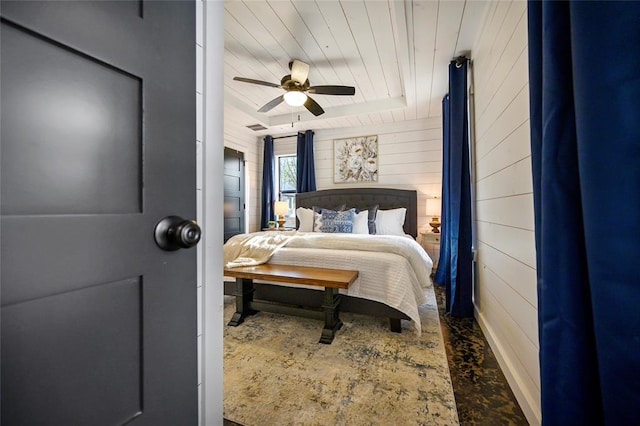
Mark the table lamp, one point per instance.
(433, 210)
(281, 208)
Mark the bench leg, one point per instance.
(332, 321)
(396, 325)
(244, 297)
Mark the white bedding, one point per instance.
(393, 269)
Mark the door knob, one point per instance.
(173, 233)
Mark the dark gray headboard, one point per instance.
(362, 198)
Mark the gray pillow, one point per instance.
(373, 210)
(337, 208)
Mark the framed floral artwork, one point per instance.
(355, 159)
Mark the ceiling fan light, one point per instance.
(295, 98)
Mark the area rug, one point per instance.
(276, 372)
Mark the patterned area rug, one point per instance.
(276, 372)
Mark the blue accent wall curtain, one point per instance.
(584, 79)
(306, 171)
(455, 263)
(268, 184)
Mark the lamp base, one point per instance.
(281, 222)
(435, 224)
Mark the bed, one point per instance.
(391, 281)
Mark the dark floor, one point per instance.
(483, 396)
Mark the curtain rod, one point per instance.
(287, 136)
(282, 137)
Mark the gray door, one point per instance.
(97, 145)
(234, 203)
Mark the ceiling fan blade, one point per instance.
(272, 104)
(299, 71)
(313, 107)
(250, 80)
(332, 90)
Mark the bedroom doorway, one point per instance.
(234, 199)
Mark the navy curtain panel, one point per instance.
(306, 171)
(268, 184)
(584, 72)
(456, 196)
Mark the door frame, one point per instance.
(210, 17)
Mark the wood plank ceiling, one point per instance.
(394, 52)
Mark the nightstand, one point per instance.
(431, 244)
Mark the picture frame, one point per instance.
(355, 159)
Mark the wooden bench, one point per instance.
(331, 279)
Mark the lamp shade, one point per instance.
(433, 206)
(295, 98)
(281, 208)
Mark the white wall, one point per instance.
(409, 157)
(505, 295)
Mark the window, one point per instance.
(287, 175)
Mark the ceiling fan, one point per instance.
(295, 85)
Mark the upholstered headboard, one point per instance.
(362, 198)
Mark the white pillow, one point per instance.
(390, 222)
(305, 217)
(361, 223)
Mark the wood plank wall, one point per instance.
(505, 295)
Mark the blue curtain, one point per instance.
(306, 171)
(268, 184)
(584, 72)
(456, 195)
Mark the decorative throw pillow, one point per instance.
(337, 222)
(361, 223)
(305, 219)
(317, 222)
(391, 222)
(317, 215)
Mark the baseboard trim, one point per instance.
(528, 403)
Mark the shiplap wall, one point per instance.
(409, 157)
(505, 295)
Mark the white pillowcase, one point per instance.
(390, 222)
(305, 217)
(361, 223)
